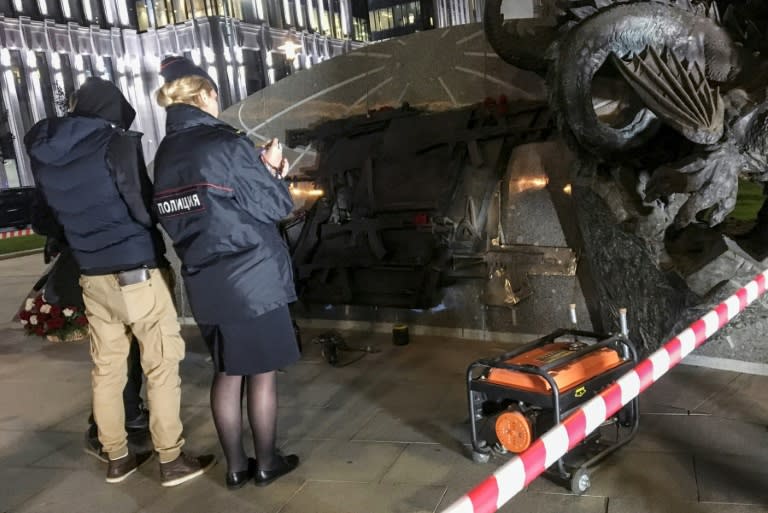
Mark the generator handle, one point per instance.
(613, 341)
(541, 341)
(623, 321)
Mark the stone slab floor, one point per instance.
(385, 434)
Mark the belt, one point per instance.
(132, 277)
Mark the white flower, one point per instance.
(29, 304)
(67, 312)
(33, 320)
(45, 309)
(24, 323)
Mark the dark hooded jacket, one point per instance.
(220, 206)
(93, 185)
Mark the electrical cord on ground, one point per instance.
(332, 343)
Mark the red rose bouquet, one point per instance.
(52, 321)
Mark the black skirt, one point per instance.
(263, 344)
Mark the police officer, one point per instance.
(90, 171)
(219, 200)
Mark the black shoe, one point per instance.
(140, 423)
(94, 447)
(283, 465)
(236, 480)
(118, 470)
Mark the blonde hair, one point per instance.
(183, 90)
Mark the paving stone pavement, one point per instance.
(385, 434)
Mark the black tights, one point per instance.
(226, 404)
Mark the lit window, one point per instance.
(161, 13)
(122, 12)
(109, 15)
(385, 18)
(323, 22)
(142, 16)
(395, 15)
(312, 15)
(260, 9)
(213, 74)
(236, 9)
(344, 18)
(299, 14)
(87, 10)
(286, 12)
(180, 10)
(198, 9)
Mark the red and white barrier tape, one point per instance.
(513, 476)
(16, 233)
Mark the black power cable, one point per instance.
(332, 343)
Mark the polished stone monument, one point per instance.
(538, 233)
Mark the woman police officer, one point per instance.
(219, 199)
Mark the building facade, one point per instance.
(49, 47)
(459, 12)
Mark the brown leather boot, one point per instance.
(118, 470)
(184, 468)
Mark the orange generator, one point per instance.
(521, 394)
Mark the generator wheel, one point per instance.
(480, 457)
(580, 481)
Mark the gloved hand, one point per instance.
(51, 250)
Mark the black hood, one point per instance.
(99, 98)
(60, 141)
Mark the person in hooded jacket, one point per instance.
(90, 170)
(219, 200)
(60, 286)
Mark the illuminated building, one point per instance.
(49, 47)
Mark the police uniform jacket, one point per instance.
(220, 206)
(92, 188)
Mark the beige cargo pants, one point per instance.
(145, 309)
